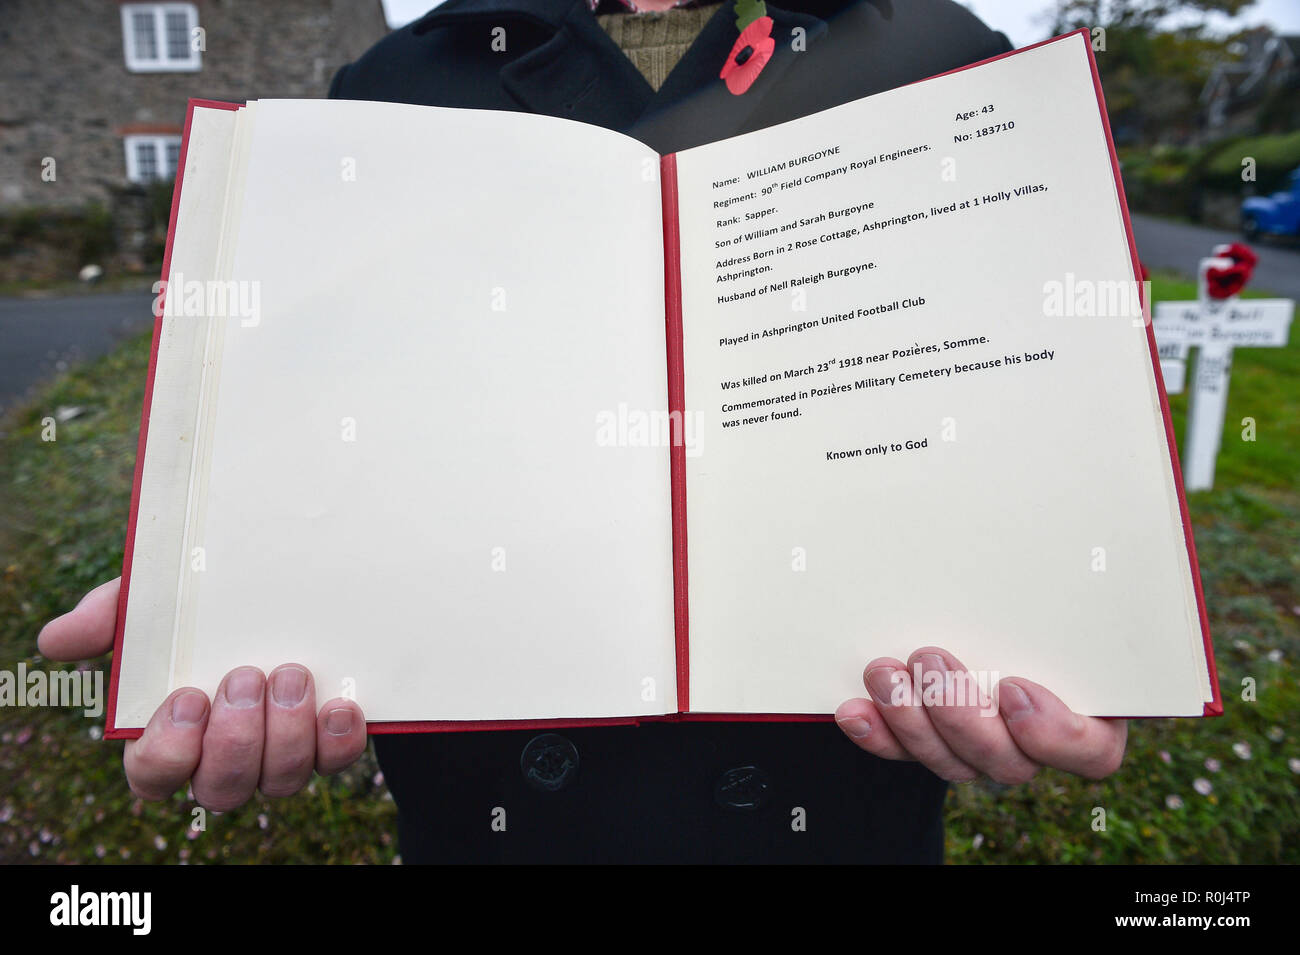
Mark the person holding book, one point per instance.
(870, 788)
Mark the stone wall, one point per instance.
(68, 95)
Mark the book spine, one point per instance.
(676, 415)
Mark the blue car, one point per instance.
(1278, 214)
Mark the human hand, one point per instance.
(962, 736)
(258, 732)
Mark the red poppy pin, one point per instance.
(1227, 282)
(752, 49)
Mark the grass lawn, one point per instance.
(1221, 790)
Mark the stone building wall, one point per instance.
(66, 93)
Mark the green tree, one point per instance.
(1154, 57)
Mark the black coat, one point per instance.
(661, 792)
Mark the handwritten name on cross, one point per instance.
(1214, 327)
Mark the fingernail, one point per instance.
(188, 708)
(856, 727)
(244, 687)
(932, 661)
(289, 685)
(339, 722)
(1014, 702)
(880, 682)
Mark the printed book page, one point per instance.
(426, 465)
(923, 404)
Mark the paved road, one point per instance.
(42, 336)
(1163, 244)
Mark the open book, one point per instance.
(490, 418)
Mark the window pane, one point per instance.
(146, 44)
(173, 157)
(146, 161)
(178, 35)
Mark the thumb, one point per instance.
(86, 630)
(1048, 732)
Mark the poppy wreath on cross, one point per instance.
(1227, 282)
(752, 49)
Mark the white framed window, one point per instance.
(151, 158)
(161, 37)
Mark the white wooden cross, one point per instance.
(1215, 327)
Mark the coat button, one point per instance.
(744, 789)
(549, 762)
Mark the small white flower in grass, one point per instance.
(47, 836)
(977, 841)
(263, 821)
(6, 813)
(1174, 802)
(100, 851)
(1213, 765)
(379, 779)
(1202, 786)
(1275, 656)
(1242, 750)
(1165, 757)
(1241, 645)
(96, 732)
(159, 843)
(1276, 734)
(1294, 765)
